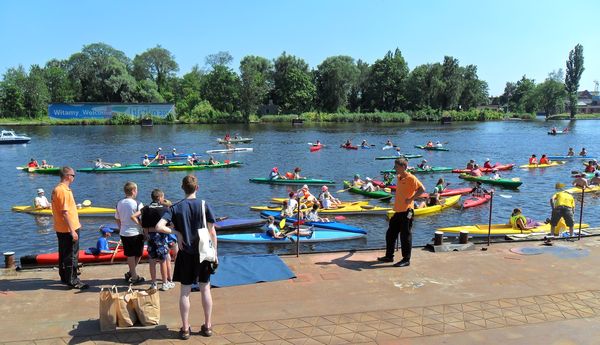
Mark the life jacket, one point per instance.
(533, 161)
(514, 219)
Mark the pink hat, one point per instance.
(324, 188)
(275, 169)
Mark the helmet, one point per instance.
(324, 188)
(275, 169)
(40, 191)
(357, 176)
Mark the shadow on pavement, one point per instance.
(355, 265)
(89, 330)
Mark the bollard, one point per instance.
(463, 237)
(438, 238)
(9, 259)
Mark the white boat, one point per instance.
(237, 149)
(9, 137)
(234, 140)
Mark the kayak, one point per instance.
(292, 182)
(571, 157)
(126, 168)
(235, 140)
(448, 202)
(381, 195)
(85, 257)
(450, 192)
(577, 190)
(500, 229)
(349, 147)
(205, 166)
(345, 210)
(239, 223)
(402, 155)
(505, 182)
(323, 225)
(155, 165)
(237, 149)
(431, 148)
(365, 147)
(557, 132)
(314, 148)
(387, 147)
(51, 171)
(84, 211)
(534, 166)
(316, 236)
(431, 170)
(473, 201)
(344, 203)
(499, 167)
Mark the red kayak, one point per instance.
(476, 201)
(85, 257)
(349, 147)
(314, 148)
(499, 167)
(450, 192)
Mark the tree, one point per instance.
(219, 59)
(474, 91)
(256, 73)
(36, 93)
(357, 90)
(385, 84)
(221, 87)
(452, 79)
(12, 92)
(424, 86)
(293, 90)
(334, 78)
(57, 82)
(574, 71)
(157, 64)
(551, 94)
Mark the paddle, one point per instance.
(115, 252)
(344, 190)
(505, 196)
(282, 223)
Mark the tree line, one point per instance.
(216, 92)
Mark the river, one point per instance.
(284, 146)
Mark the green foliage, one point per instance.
(334, 79)
(255, 75)
(574, 70)
(551, 94)
(337, 117)
(294, 91)
(123, 119)
(385, 84)
(157, 64)
(469, 115)
(221, 87)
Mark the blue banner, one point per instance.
(62, 111)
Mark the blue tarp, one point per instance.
(249, 269)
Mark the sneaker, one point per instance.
(137, 280)
(153, 286)
(185, 335)
(165, 286)
(385, 259)
(402, 263)
(206, 331)
(127, 276)
(171, 284)
(79, 286)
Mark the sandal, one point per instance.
(185, 335)
(206, 331)
(137, 280)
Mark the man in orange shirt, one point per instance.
(66, 225)
(408, 187)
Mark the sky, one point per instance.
(505, 39)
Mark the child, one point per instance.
(271, 229)
(131, 234)
(102, 244)
(313, 215)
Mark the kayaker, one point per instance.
(348, 143)
(566, 130)
(478, 190)
(590, 168)
(213, 161)
(45, 164)
(146, 160)
(368, 185)
(364, 144)
(195, 159)
(33, 163)
(388, 179)
(357, 182)
(583, 152)
(438, 144)
(130, 230)
(563, 206)
(434, 199)
(297, 176)
(274, 174)
(271, 229)
(533, 160)
(313, 215)
(318, 143)
(544, 160)
(476, 171)
(487, 164)
(189, 161)
(518, 221)
(408, 188)
(229, 146)
(423, 165)
(581, 182)
(174, 152)
(327, 200)
(102, 165)
(102, 245)
(571, 153)
(595, 181)
(553, 130)
(306, 197)
(429, 144)
(471, 164)
(40, 201)
(440, 186)
(398, 153)
(227, 137)
(495, 175)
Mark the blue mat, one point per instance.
(249, 269)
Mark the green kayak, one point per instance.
(421, 171)
(407, 156)
(158, 166)
(292, 182)
(380, 195)
(431, 148)
(126, 168)
(505, 182)
(50, 171)
(205, 166)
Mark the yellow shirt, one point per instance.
(405, 188)
(63, 200)
(563, 199)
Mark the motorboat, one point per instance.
(9, 137)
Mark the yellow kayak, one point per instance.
(591, 189)
(448, 202)
(505, 229)
(344, 203)
(84, 211)
(534, 166)
(347, 210)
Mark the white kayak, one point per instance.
(237, 149)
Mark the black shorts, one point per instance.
(188, 270)
(133, 245)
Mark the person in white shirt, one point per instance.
(130, 230)
(41, 201)
(368, 186)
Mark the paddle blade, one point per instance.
(559, 185)
(340, 218)
(282, 223)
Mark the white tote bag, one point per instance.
(205, 245)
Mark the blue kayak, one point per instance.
(570, 157)
(317, 236)
(323, 225)
(239, 223)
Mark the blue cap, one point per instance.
(106, 229)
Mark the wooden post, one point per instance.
(581, 213)
(490, 219)
(438, 238)
(298, 228)
(9, 259)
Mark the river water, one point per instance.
(284, 146)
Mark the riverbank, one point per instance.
(495, 296)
